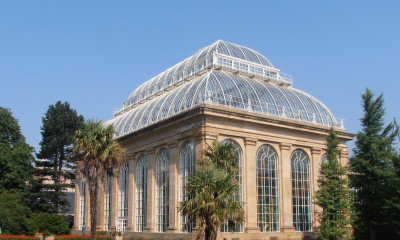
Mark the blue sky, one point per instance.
(93, 54)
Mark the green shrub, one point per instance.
(13, 213)
(48, 224)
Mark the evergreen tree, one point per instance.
(372, 171)
(59, 125)
(333, 194)
(15, 155)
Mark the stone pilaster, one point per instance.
(77, 205)
(251, 186)
(286, 189)
(151, 191)
(100, 207)
(87, 207)
(173, 187)
(316, 156)
(114, 201)
(130, 225)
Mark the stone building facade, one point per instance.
(224, 92)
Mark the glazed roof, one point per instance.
(222, 74)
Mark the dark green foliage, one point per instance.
(59, 125)
(213, 187)
(372, 172)
(15, 155)
(13, 213)
(333, 194)
(49, 223)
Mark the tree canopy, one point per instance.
(96, 153)
(55, 166)
(333, 195)
(372, 171)
(15, 154)
(212, 187)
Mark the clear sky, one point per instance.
(93, 54)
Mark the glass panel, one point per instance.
(141, 193)
(186, 167)
(162, 192)
(267, 189)
(123, 197)
(82, 204)
(301, 192)
(239, 191)
(107, 201)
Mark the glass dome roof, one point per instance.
(227, 89)
(186, 68)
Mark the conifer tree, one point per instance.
(372, 171)
(59, 125)
(333, 194)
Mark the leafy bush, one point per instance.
(82, 237)
(17, 237)
(13, 213)
(48, 224)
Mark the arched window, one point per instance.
(107, 201)
(239, 177)
(123, 197)
(186, 167)
(82, 203)
(301, 190)
(141, 193)
(267, 189)
(162, 194)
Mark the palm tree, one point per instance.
(213, 187)
(96, 153)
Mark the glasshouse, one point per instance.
(229, 93)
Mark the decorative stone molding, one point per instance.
(151, 151)
(211, 136)
(250, 141)
(315, 150)
(173, 144)
(285, 146)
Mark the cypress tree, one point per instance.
(333, 194)
(372, 171)
(55, 167)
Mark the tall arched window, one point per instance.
(301, 190)
(267, 189)
(82, 203)
(239, 192)
(186, 167)
(107, 201)
(123, 197)
(141, 193)
(162, 194)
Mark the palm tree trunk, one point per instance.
(93, 207)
